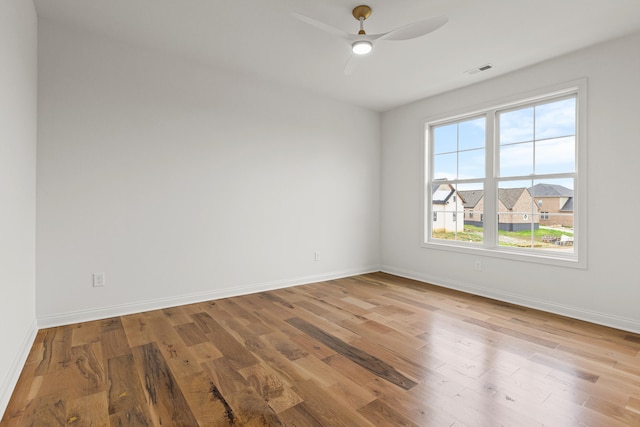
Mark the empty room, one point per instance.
(298, 213)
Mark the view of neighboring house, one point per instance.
(473, 207)
(553, 207)
(555, 203)
(515, 209)
(446, 208)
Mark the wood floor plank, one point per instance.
(300, 416)
(191, 334)
(139, 328)
(233, 351)
(367, 350)
(166, 403)
(324, 408)
(354, 354)
(379, 413)
(253, 411)
(56, 348)
(81, 374)
(559, 411)
(47, 410)
(207, 405)
(88, 411)
(245, 318)
(127, 401)
(224, 376)
(275, 391)
(285, 345)
(86, 333)
(115, 343)
(244, 405)
(88, 359)
(176, 354)
(177, 315)
(350, 370)
(314, 369)
(205, 352)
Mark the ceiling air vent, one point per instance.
(475, 70)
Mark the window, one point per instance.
(506, 163)
(458, 165)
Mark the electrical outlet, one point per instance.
(99, 280)
(477, 266)
(316, 256)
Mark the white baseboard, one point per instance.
(604, 319)
(160, 303)
(9, 383)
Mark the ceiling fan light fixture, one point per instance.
(362, 47)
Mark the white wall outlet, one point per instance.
(477, 265)
(316, 256)
(99, 280)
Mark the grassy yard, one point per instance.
(542, 236)
(537, 234)
(467, 236)
(470, 234)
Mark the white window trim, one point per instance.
(578, 259)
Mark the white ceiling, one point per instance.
(262, 39)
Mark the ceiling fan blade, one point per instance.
(322, 26)
(411, 31)
(350, 66)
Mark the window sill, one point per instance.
(547, 257)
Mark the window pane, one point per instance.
(445, 166)
(517, 214)
(516, 159)
(458, 150)
(445, 138)
(516, 126)
(451, 212)
(471, 134)
(447, 204)
(555, 200)
(471, 164)
(556, 119)
(556, 155)
(472, 197)
(536, 216)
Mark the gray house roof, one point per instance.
(471, 197)
(508, 196)
(550, 190)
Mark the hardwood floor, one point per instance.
(370, 350)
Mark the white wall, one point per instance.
(18, 98)
(607, 291)
(183, 183)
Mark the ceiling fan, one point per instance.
(362, 43)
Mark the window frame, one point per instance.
(490, 246)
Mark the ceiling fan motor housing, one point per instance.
(361, 11)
